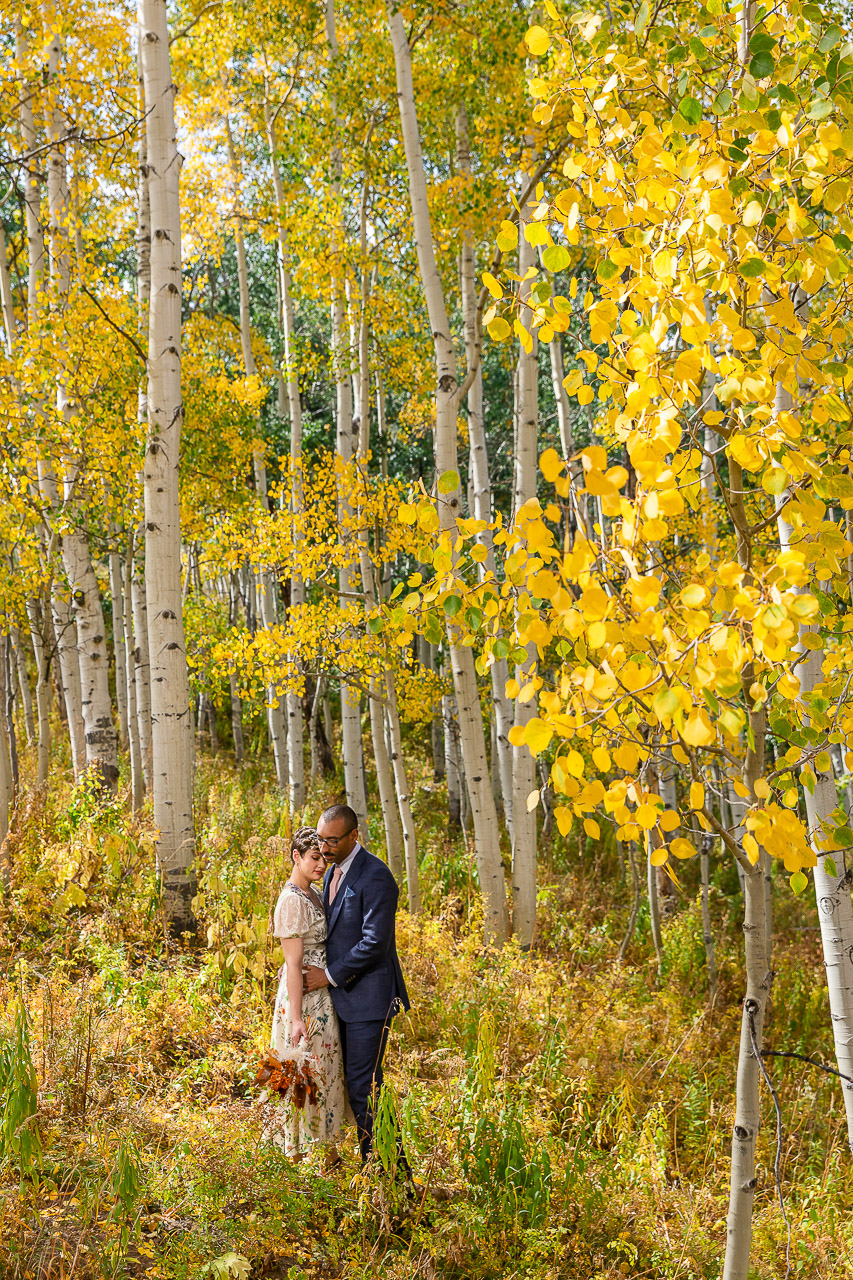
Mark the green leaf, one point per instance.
(452, 605)
(830, 39)
(501, 648)
(799, 882)
(642, 19)
(762, 42)
(843, 836)
(829, 866)
(375, 625)
(448, 482)
(556, 258)
(752, 268)
(721, 104)
(474, 618)
(691, 109)
(819, 109)
(433, 632)
(607, 271)
(762, 65)
(711, 701)
(665, 703)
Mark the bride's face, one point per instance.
(312, 865)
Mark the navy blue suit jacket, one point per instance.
(361, 949)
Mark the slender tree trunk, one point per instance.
(635, 903)
(7, 796)
(451, 764)
(706, 841)
(471, 732)
(293, 701)
(385, 782)
(137, 780)
(402, 788)
(119, 643)
(276, 719)
(524, 490)
(24, 685)
(478, 466)
(92, 653)
(170, 708)
(654, 905)
(40, 652)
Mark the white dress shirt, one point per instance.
(345, 866)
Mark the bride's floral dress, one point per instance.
(300, 914)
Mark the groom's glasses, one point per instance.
(333, 841)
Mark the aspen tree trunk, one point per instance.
(561, 399)
(7, 798)
(524, 490)
(137, 780)
(832, 892)
(293, 700)
(705, 843)
(451, 764)
(758, 974)
(478, 466)
(119, 643)
(23, 684)
(40, 651)
(351, 743)
(472, 736)
(66, 647)
(402, 788)
(170, 710)
(236, 704)
(92, 654)
(139, 668)
(276, 720)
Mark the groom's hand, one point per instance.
(315, 978)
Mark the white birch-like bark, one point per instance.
(40, 652)
(524, 490)
(293, 699)
(119, 642)
(7, 798)
(66, 646)
(137, 779)
(92, 652)
(471, 732)
(23, 678)
(832, 892)
(351, 742)
(395, 743)
(139, 666)
(478, 465)
(276, 720)
(172, 737)
(451, 763)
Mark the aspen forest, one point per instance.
(443, 409)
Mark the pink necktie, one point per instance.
(336, 880)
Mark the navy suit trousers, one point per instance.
(363, 1044)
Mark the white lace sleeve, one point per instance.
(292, 917)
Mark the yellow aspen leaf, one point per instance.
(551, 465)
(626, 757)
(575, 764)
(537, 40)
(498, 329)
(697, 795)
(698, 731)
(646, 816)
(492, 285)
(670, 820)
(532, 800)
(682, 848)
(658, 857)
(592, 828)
(597, 635)
(750, 848)
(601, 758)
(536, 734)
(564, 817)
(761, 787)
(694, 596)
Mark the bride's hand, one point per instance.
(298, 1031)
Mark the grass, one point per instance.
(566, 1116)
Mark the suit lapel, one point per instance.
(355, 872)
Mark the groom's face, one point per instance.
(336, 842)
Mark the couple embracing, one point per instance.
(341, 983)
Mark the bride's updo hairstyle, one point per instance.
(303, 840)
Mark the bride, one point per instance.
(304, 1018)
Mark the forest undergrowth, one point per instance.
(566, 1115)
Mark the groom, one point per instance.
(367, 988)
